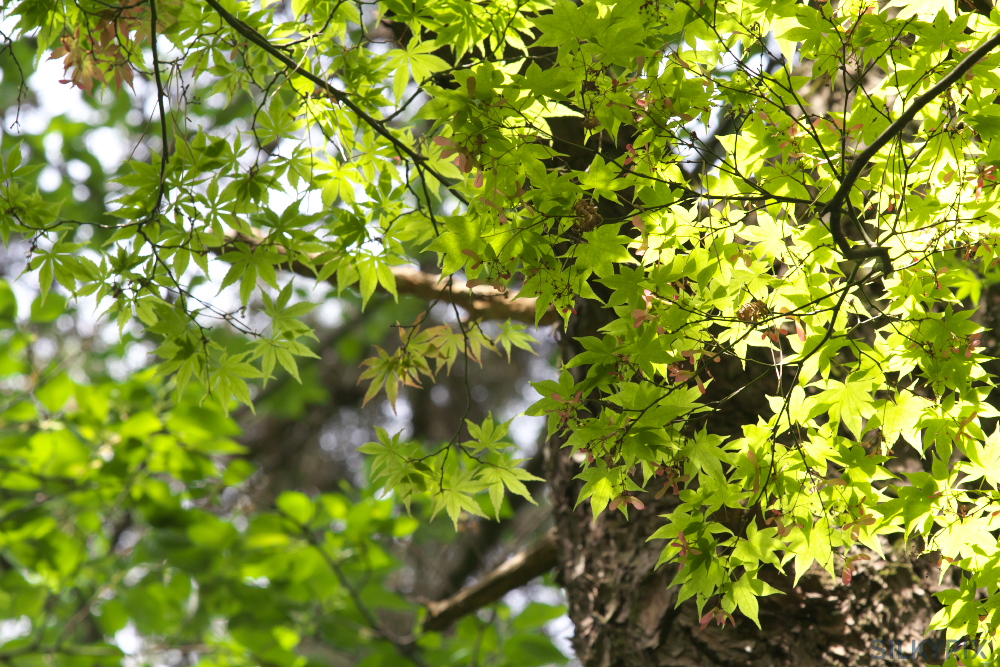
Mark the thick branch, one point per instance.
(481, 301)
(521, 568)
(835, 205)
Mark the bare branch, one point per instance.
(521, 568)
(481, 301)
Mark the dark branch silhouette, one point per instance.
(834, 206)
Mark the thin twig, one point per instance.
(339, 95)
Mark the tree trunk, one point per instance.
(625, 612)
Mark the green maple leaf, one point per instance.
(456, 496)
(848, 402)
(902, 418)
(567, 23)
(984, 460)
(600, 486)
(604, 248)
(506, 474)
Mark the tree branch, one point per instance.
(338, 95)
(481, 301)
(160, 94)
(519, 569)
(835, 204)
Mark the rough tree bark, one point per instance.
(625, 612)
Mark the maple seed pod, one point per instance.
(590, 122)
(587, 216)
(753, 311)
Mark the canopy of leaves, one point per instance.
(703, 199)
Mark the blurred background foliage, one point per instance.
(138, 528)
